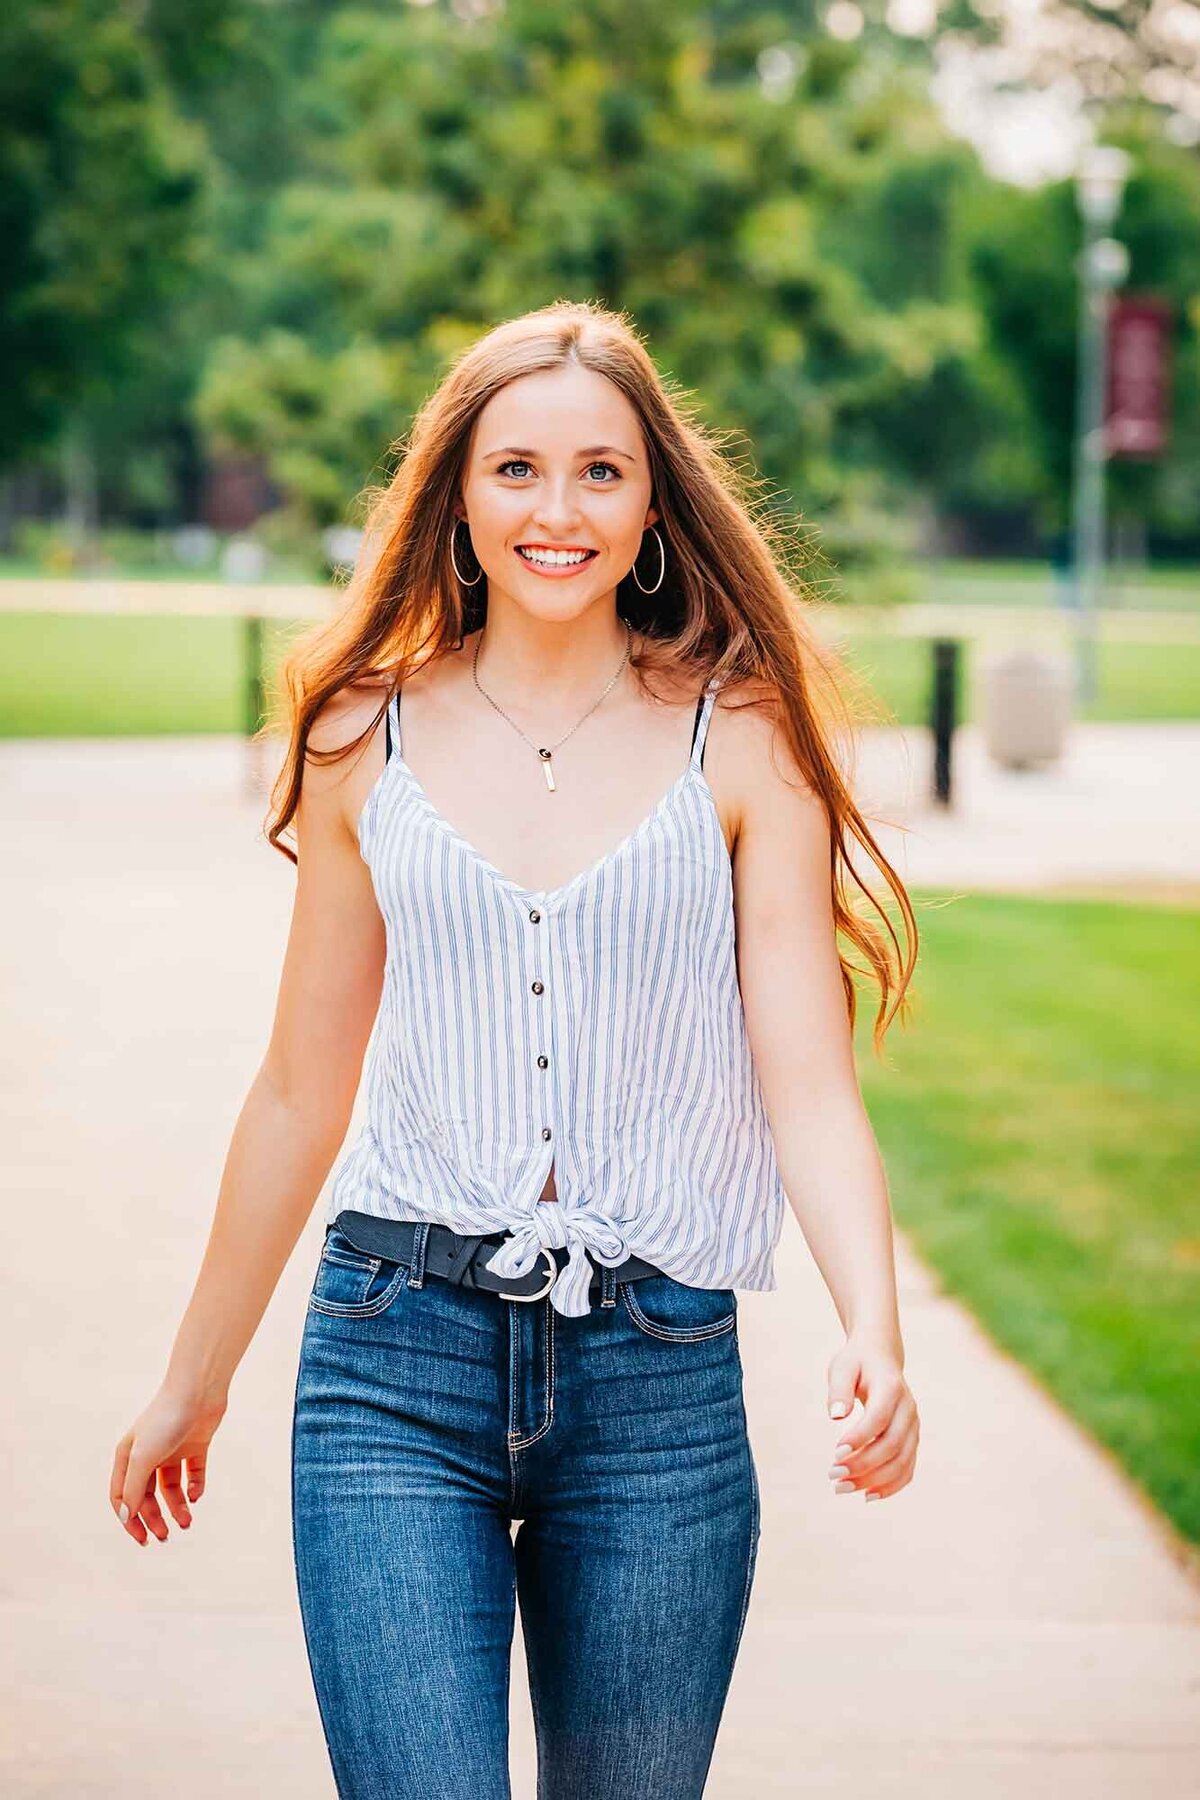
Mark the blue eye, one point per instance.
(519, 462)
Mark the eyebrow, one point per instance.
(592, 450)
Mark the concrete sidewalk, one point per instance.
(1119, 811)
(1017, 1620)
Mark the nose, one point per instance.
(558, 508)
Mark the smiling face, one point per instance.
(556, 466)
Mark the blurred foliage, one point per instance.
(102, 184)
(626, 154)
(252, 228)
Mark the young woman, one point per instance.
(581, 886)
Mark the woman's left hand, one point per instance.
(876, 1454)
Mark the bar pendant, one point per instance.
(545, 756)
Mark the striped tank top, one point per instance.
(595, 1027)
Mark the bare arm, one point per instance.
(296, 1113)
(800, 1036)
(291, 1125)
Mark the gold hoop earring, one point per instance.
(662, 571)
(453, 563)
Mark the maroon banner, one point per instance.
(1137, 409)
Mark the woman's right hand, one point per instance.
(172, 1430)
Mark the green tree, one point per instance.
(1021, 246)
(101, 185)
(457, 175)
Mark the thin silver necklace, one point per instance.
(547, 754)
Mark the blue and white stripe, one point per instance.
(659, 1137)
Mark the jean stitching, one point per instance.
(333, 1755)
(416, 1273)
(689, 1336)
(337, 1309)
(750, 1554)
(363, 1263)
(514, 1365)
(548, 1367)
(512, 1404)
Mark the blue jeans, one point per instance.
(428, 1418)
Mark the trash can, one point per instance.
(1027, 698)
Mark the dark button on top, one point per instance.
(538, 988)
(534, 916)
(543, 1062)
(545, 1131)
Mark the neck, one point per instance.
(556, 666)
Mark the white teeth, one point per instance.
(554, 559)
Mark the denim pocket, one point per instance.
(662, 1307)
(350, 1284)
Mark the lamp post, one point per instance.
(1103, 264)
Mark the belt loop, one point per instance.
(608, 1285)
(416, 1273)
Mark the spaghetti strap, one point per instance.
(696, 726)
(391, 726)
(704, 712)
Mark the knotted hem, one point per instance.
(574, 1229)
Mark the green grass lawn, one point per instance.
(93, 675)
(1027, 583)
(1136, 681)
(1007, 581)
(89, 675)
(1039, 1123)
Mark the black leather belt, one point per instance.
(458, 1257)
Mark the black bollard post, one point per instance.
(253, 701)
(253, 688)
(944, 713)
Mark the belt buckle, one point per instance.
(541, 1292)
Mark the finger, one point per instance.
(197, 1463)
(138, 1495)
(855, 1475)
(120, 1471)
(859, 1481)
(843, 1377)
(132, 1524)
(854, 1440)
(171, 1489)
(116, 1492)
(891, 1480)
(890, 1443)
(876, 1417)
(151, 1513)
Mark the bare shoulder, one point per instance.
(757, 766)
(346, 715)
(339, 786)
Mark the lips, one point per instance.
(579, 555)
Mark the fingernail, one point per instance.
(843, 1450)
(874, 1496)
(844, 1487)
(838, 1410)
(123, 1513)
(836, 1473)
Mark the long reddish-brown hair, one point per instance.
(732, 604)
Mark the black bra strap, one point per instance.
(696, 727)
(387, 732)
